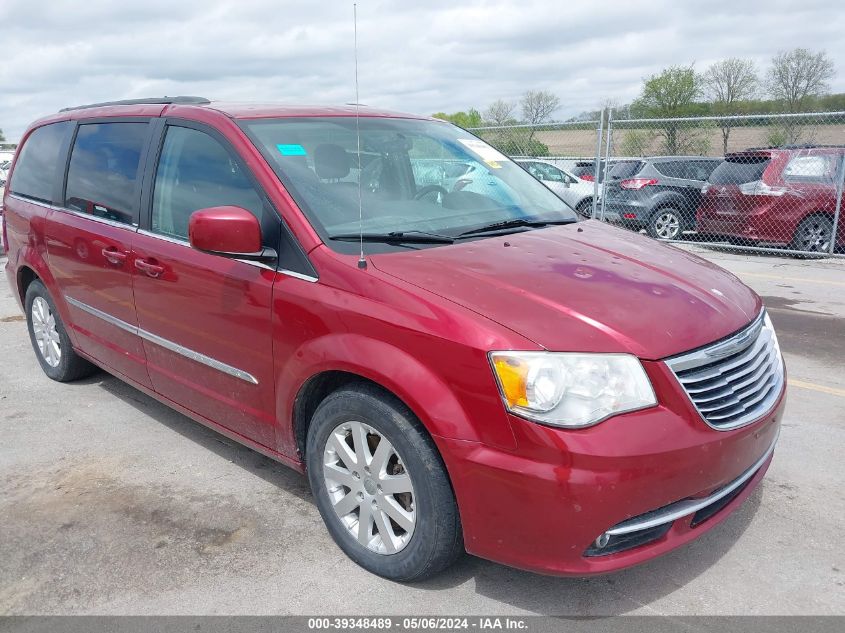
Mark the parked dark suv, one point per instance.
(659, 193)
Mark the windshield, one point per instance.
(415, 176)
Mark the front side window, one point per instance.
(38, 162)
(414, 176)
(196, 172)
(102, 179)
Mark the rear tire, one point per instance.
(49, 337)
(408, 535)
(667, 224)
(813, 235)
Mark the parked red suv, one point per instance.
(781, 196)
(456, 365)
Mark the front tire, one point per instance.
(49, 337)
(381, 486)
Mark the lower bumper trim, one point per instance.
(674, 511)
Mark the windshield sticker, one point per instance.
(489, 155)
(291, 150)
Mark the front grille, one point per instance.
(736, 380)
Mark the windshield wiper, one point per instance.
(395, 237)
(515, 223)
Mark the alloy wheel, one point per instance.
(45, 332)
(815, 236)
(369, 488)
(667, 226)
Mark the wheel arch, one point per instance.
(326, 364)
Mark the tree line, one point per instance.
(795, 81)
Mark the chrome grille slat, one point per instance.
(744, 401)
(736, 380)
(719, 370)
(754, 364)
(755, 376)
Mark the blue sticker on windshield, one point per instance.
(291, 150)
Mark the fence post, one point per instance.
(839, 186)
(606, 161)
(597, 165)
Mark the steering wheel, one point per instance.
(430, 189)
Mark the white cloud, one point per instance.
(419, 57)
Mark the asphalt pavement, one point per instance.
(111, 503)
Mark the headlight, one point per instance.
(767, 323)
(571, 390)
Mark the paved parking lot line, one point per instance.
(833, 391)
(795, 279)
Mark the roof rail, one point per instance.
(148, 100)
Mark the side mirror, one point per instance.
(228, 231)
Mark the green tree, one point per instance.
(2, 138)
(471, 118)
(668, 94)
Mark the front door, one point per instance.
(205, 319)
(89, 241)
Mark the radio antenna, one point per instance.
(362, 263)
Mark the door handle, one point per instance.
(113, 255)
(150, 269)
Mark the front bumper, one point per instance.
(543, 506)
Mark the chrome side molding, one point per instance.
(195, 356)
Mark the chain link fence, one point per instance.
(761, 183)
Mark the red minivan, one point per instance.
(389, 304)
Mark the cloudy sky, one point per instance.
(414, 56)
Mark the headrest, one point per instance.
(331, 161)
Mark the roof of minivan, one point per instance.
(235, 110)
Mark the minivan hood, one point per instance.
(585, 287)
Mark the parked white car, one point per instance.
(575, 192)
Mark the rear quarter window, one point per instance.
(739, 170)
(811, 168)
(38, 163)
(625, 169)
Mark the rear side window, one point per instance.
(810, 168)
(625, 169)
(739, 170)
(103, 176)
(196, 172)
(38, 163)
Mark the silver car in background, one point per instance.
(574, 191)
